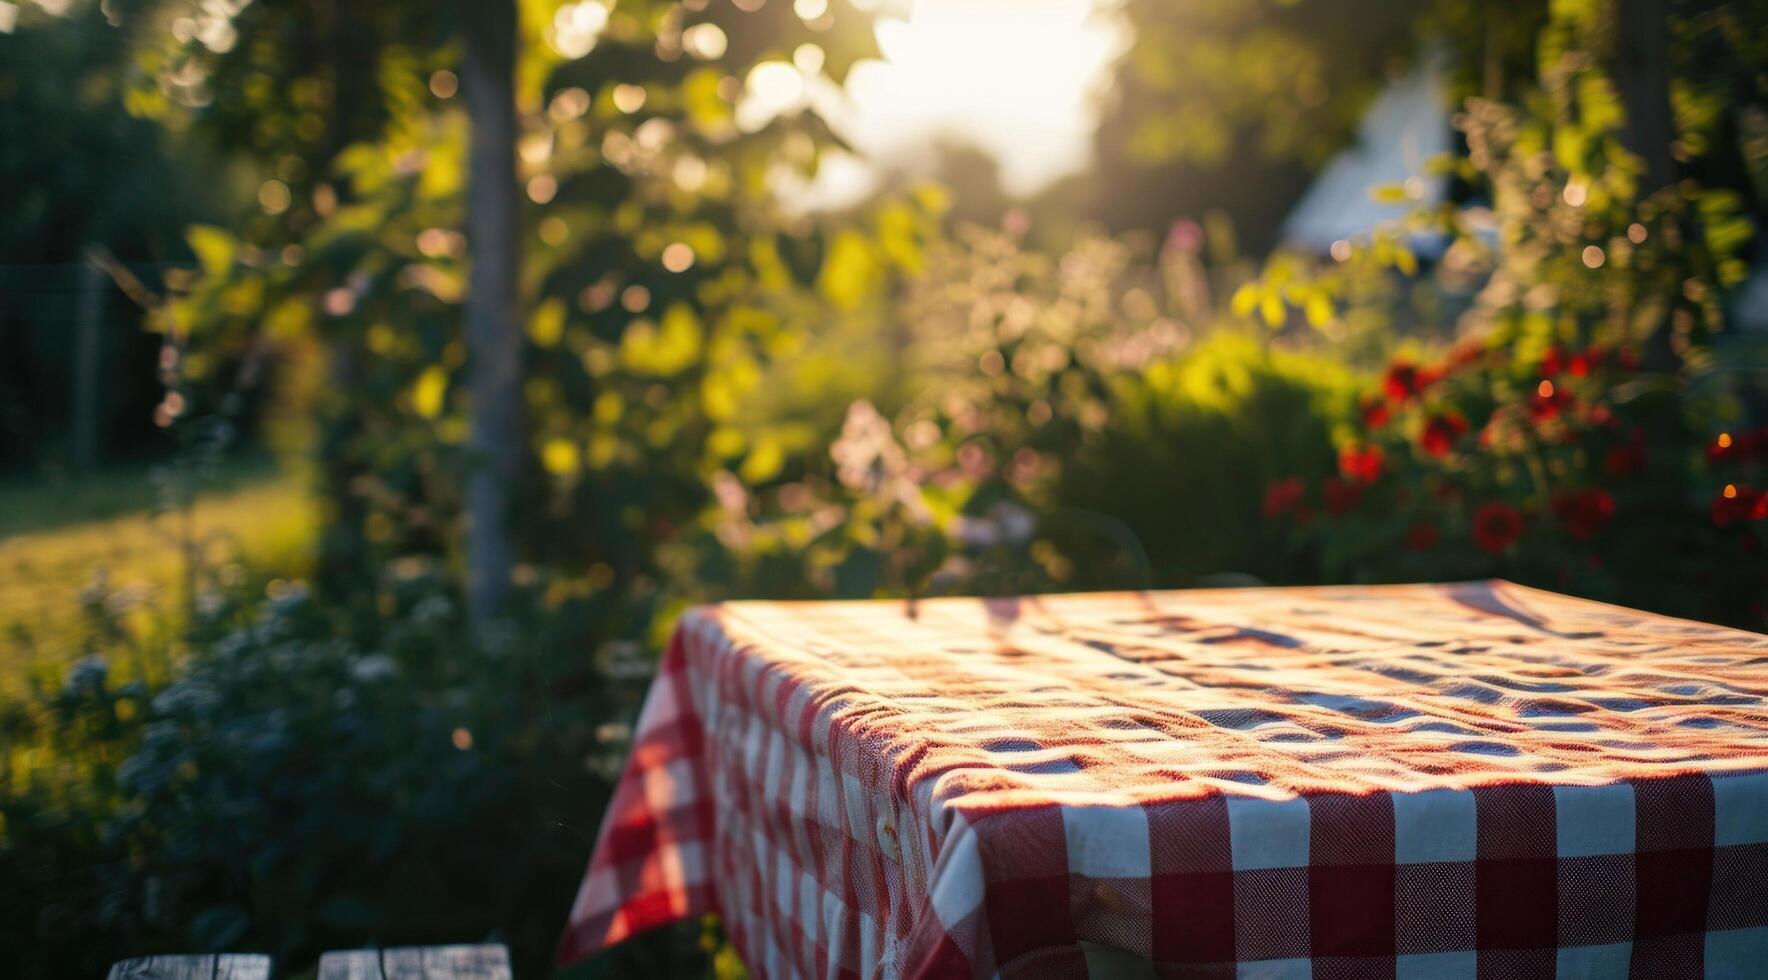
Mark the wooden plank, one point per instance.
(485, 962)
(488, 962)
(351, 964)
(165, 968)
(204, 967)
(242, 968)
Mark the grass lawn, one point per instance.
(59, 536)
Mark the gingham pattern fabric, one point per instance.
(1474, 780)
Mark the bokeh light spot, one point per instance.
(705, 41)
(542, 187)
(678, 257)
(274, 197)
(629, 98)
(444, 83)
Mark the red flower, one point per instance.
(1582, 364)
(1583, 512)
(1440, 433)
(1422, 536)
(1339, 495)
(1552, 362)
(1361, 465)
(1495, 526)
(1405, 381)
(1283, 496)
(1375, 412)
(1735, 503)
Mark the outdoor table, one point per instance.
(1462, 780)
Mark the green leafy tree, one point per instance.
(1230, 106)
(645, 259)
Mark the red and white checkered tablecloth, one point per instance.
(1475, 780)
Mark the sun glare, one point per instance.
(1019, 79)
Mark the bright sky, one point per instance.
(1019, 79)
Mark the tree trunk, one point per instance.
(493, 334)
(1643, 70)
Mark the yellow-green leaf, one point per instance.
(428, 392)
(1270, 308)
(764, 462)
(850, 273)
(561, 456)
(547, 324)
(663, 349)
(1245, 300)
(608, 406)
(288, 320)
(214, 248)
(1389, 194)
(725, 442)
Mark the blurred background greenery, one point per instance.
(379, 380)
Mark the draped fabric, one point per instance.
(1474, 779)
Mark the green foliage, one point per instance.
(1192, 444)
(1200, 77)
(312, 779)
(723, 402)
(55, 850)
(1000, 359)
(81, 173)
(1228, 107)
(301, 783)
(1046, 433)
(78, 168)
(658, 286)
(1585, 384)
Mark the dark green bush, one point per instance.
(1191, 445)
(314, 778)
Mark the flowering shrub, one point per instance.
(1582, 432)
(1572, 469)
(948, 478)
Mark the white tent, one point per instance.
(1405, 127)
